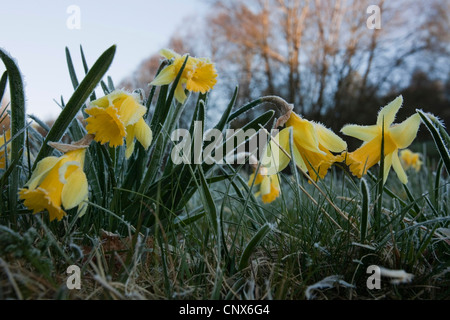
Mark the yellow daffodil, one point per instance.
(117, 116)
(269, 185)
(410, 160)
(57, 182)
(199, 74)
(396, 136)
(313, 146)
(5, 139)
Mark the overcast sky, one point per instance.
(35, 33)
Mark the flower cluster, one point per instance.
(115, 119)
(314, 146)
(59, 183)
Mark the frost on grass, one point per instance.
(326, 283)
(396, 276)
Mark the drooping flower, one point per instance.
(5, 139)
(313, 145)
(396, 136)
(410, 160)
(116, 116)
(269, 185)
(199, 74)
(58, 182)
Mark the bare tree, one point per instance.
(317, 54)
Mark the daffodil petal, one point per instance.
(399, 169)
(66, 169)
(130, 134)
(75, 189)
(388, 112)
(404, 133)
(129, 142)
(275, 181)
(42, 168)
(168, 54)
(143, 133)
(299, 160)
(82, 208)
(265, 186)
(131, 111)
(275, 159)
(114, 98)
(166, 76)
(180, 95)
(304, 133)
(387, 166)
(364, 133)
(129, 149)
(329, 139)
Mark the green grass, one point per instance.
(155, 230)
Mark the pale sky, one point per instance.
(35, 33)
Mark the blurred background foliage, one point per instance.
(320, 56)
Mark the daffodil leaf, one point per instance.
(253, 244)
(104, 88)
(365, 205)
(72, 73)
(3, 81)
(244, 109)
(152, 93)
(110, 84)
(249, 197)
(208, 202)
(437, 181)
(76, 130)
(41, 123)
(154, 165)
(255, 124)
(75, 103)
(188, 218)
(411, 198)
(160, 110)
(438, 140)
(17, 121)
(83, 59)
(86, 70)
(9, 170)
(226, 114)
(175, 84)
